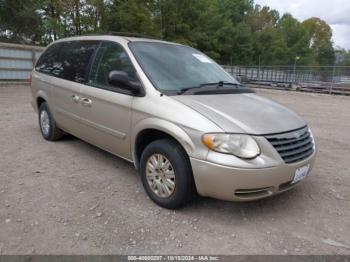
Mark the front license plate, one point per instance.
(301, 173)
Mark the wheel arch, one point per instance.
(41, 97)
(39, 101)
(149, 130)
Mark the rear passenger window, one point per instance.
(109, 57)
(68, 60)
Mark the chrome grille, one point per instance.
(293, 146)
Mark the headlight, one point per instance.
(243, 146)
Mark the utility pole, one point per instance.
(259, 68)
(161, 18)
(332, 85)
(295, 69)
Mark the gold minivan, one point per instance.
(187, 125)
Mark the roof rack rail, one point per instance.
(126, 34)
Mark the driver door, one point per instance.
(106, 110)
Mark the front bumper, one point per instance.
(236, 184)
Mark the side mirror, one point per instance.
(121, 80)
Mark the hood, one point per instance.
(244, 113)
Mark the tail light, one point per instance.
(30, 80)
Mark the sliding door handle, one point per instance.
(86, 102)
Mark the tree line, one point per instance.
(230, 31)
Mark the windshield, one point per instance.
(174, 67)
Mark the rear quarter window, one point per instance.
(68, 60)
(48, 59)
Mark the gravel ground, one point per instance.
(69, 197)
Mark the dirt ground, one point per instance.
(69, 197)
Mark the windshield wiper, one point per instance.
(215, 85)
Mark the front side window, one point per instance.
(173, 67)
(68, 60)
(110, 57)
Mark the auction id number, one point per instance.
(172, 258)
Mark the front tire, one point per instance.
(166, 174)
(47, 124)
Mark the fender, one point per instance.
(165, 126)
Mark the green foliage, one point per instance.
(129, 16)
(319, 35)
(296, 39)
(234, 31)
(19, 20)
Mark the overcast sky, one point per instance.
(336, 13)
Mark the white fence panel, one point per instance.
(17, 61)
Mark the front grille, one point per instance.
(293, 146)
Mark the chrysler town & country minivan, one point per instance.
(188, 126)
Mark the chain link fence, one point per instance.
(322, 79)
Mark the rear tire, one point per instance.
(166, 174)
(47, 124)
